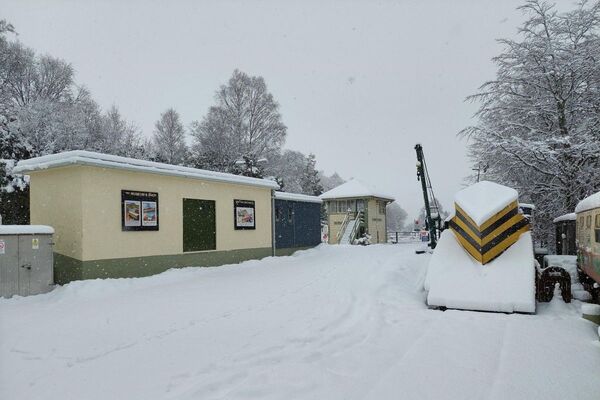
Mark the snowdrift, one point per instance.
(506, 284)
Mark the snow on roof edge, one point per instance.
(589, 203)
(360, 189)
(529, 205)
(118, 162)
(565, 217)
(26, 229)
(297, 197)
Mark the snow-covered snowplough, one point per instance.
(485, 261)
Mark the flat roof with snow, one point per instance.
(353, 189)
(26, 230)
(297, 197)
(589, 203)
(566, 217)
(80, 157)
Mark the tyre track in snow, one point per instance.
(331, 323)
(354, 323)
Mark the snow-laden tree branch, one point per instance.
(538, 120)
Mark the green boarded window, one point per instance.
(199, 227)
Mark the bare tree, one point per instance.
(395, 217)
(539, 122)
(330, 182)
(169, 138)
(119, 136)
(245, 122)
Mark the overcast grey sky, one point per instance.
(359, 83)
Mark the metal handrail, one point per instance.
(356, 226)
(338, 237)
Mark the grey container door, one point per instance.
(35, 264)
(9, 266)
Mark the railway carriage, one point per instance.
(588, 240)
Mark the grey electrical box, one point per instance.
(26, 260)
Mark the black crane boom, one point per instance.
(433, 222)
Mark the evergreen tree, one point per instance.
(310, 181)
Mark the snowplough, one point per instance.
(485, 261)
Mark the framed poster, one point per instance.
(139, 211)
(244, 214)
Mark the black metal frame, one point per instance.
(246, 204)
(137, 195)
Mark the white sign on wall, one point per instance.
(2, 247)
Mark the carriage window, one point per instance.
(597, 221)
(580, 224)
(588, 221)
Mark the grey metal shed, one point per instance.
(26, 260)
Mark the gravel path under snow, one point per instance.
(336, 322)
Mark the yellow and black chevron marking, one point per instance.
(495, 235)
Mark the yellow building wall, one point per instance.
(55, 200)
(99, 219)
(376, 223)
(335, 224)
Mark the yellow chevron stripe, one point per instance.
(492, 219)
(457, 207)
(468, 230)
(505, 244)
(468, 247)
(499, 215)
(514, 220)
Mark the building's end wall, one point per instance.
(55, 200)
(376, 222)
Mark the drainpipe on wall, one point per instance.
(273, 237)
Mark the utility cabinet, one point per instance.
(26, 260)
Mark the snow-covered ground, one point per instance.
(336, 322)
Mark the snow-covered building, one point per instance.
(123, 217)
(565, 226)
(297, 222)
(355, 208)
(588, 236)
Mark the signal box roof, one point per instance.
(355, 189)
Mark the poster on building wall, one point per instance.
(244, 214)
(139, 210)
(149, 215)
